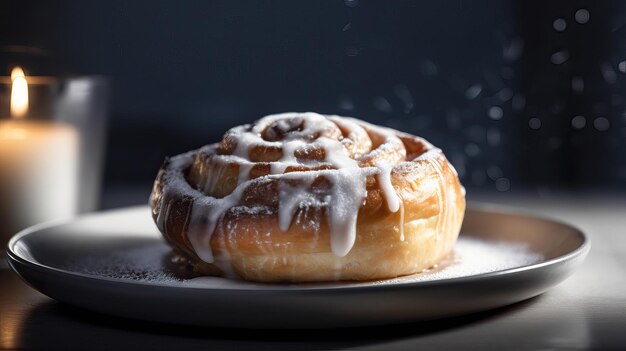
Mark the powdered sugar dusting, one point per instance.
(151, 264)
(472, 257)
(145, 264)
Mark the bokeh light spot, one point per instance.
(534, 123)
(472, 150)
(503, 184)
(601, 124)
(579, 122)
(559, 25)
(495, 113)
(559, 57)
(582, 16)
(472, 92)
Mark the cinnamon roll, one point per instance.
(303, 197)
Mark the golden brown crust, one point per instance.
(248, 241)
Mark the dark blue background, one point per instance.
(467, 75)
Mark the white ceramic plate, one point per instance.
(116, 263)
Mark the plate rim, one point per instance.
(580, 252)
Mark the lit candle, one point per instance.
(38, 166)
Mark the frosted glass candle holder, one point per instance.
(51, 148)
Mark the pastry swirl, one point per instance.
(304, 197)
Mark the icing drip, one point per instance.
(244, 171)
(384, 181)
(209, 210)
(394, 203)
(346, 199)
(291, 198)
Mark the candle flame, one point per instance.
(17, 72)
(19, 93)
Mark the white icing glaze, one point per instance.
(343, 199)
(348, 181)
